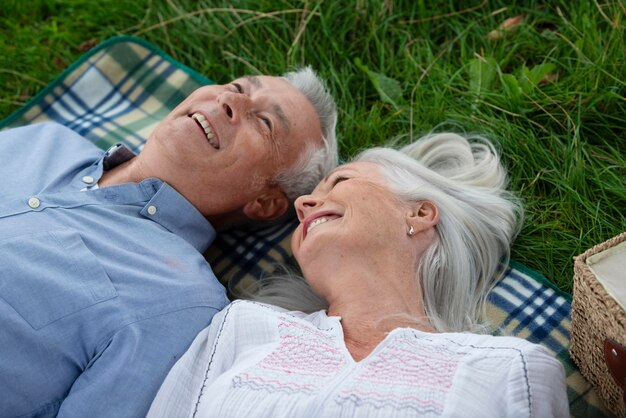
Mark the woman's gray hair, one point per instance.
(478, 220)
(317, 160)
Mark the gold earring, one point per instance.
(411, 231)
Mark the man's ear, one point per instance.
(422, 215)
(272, 204)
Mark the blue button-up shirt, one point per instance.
(101, 289)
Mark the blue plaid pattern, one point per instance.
(121, 89)
(538, 312)
(252, 255)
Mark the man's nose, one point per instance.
(304, 204)
(234, 105)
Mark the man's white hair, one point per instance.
(319, 156)
(317, 159)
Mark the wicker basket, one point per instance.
(599, 319)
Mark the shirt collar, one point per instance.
(116, 155)
(172, 211)
(166, 206)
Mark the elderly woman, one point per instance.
(398, 250)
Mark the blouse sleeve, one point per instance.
(206, 358)
(537, 385)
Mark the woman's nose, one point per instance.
(304, 204)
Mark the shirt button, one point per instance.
(152, 210)
(88, 179)
(34, 203)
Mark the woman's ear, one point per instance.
(272, 204)
(423, 215)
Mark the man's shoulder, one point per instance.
(37, 155)
(45, 134)
(45, 127)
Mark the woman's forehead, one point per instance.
(364, 170)
(361, 168)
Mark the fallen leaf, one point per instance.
(508, 25)
(87, 45)
(58, 62)
(549, 78)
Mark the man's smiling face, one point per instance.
(223, 145)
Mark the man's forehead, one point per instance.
(267, 82)
(254, 80)
(284, 105)
(275, 107)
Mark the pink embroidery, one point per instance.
(305, 360)
(405, 373)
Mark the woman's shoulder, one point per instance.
(259, 310)
(483, 344)
(493, 357)
(243, 305)
(506, 373)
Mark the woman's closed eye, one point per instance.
(338, 179)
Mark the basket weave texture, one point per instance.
(595, 317)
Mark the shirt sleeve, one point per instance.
(124, 377)
(205, 359)
(537, 384)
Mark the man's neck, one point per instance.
(126, 172)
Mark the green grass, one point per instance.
(552, 92)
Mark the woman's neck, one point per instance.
(367, 317)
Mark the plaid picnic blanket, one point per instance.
(121, 89)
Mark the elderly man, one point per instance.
(103, 283)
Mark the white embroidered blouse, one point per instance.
(256, 360)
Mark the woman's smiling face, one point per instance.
(351, 212)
